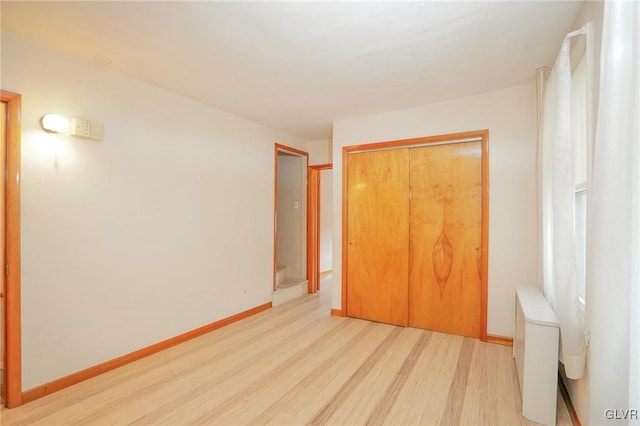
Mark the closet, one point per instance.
(414, 238)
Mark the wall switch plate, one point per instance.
(86, 129)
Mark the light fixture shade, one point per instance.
(55, 123)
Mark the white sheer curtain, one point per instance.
(557, 192)
(613, 282)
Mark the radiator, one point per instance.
(535, 350)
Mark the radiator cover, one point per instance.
(535, 350)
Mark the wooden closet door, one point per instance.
(378, 235)
(445, 237)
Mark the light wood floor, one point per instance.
(295, 364)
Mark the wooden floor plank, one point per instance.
(366, 394)
(329, 409)
(423, 396)
(318, 394)
(458, 389)
(301, 393)
(388, 400)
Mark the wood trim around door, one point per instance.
(313, 241)
(12, 300)
(279, 147)
(314, 201)
(484, 246)
(483, 136)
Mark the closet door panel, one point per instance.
(445, 238)
(378, 235)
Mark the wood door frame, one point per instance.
(297, 152)
(314, 201)
(12, 300)
(483, 137)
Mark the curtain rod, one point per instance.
(581, 31)
(543, 70)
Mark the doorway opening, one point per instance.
(290, 224)
(319, 262)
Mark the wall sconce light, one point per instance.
(54, 123)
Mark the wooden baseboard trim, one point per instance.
(72, 379)
(499, 340)
(338, 313)
(327, 272)
(567, 400)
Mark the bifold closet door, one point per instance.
(378, 235)
(445, 238)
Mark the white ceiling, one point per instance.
(298, 66)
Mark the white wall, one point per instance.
(319, 151)
(326, 220)
(511, 119)
(163, 227)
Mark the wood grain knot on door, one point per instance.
(442, 260)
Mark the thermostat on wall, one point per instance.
(85, 129)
